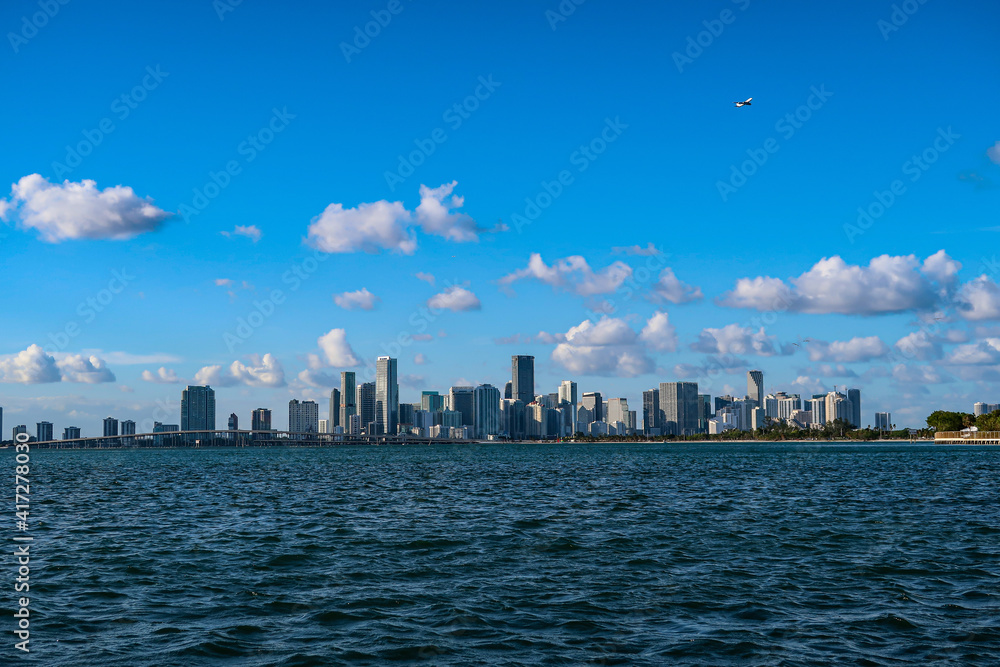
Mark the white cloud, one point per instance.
(337, 350)
(71, 210)
(319, 379)
(368, 228)
(668, 288)
(34, 366)
(887, 285)
(223, 282)
(413, 381)
(572, 274)
(993, 152)
(808, 385)
(919, 345)
(847, 351)
(420, 359)
(659, 334)
(456, 299)
(736, 339)
(249, 231)
(979, 353)
(426, 277)
(263, 371)
(979, 300)
(918, 375)
(362, 299)
(162, 376)
(435, 215)
(129, 359)
(609, 347)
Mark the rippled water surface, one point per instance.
(516, 554)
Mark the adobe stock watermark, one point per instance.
(787, 126)
(223, 7)
(30, 25)
(22, 551)
(121, 108)
(714, 28)
(915, 167)
(901, 13)
(88, 310)
(562, 12)
(581, 158)
(264, 309)
(248, 150)
(363, 35)
(454, 116)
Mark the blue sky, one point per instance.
(309, 135)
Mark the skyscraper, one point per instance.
(679, 406)
(260, 420)
(704, 412)
(110, 426)
(461, 400)
(198, 409)
(43, 431)
(593, 402)
(71, 433)
(568, 394)
(486, 409)
(234, 422)
(348, 397)
(128, 427)
(755, 386)
(854, 396)
(651, 412)
(334, 416)
(617, 411)
(387, 392)
(508, 389)
(838, 407)
(431, 401)
(883, 421)
(522, 371)
(366, 405)
(303, 416)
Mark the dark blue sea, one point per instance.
(555, 554)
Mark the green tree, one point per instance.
(942, 420)
(990, 422)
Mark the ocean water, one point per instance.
(514, 555)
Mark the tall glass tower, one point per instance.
(387, 393)
(198, 409)
(522, 371)
(755, 387)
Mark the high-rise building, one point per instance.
(20, 428)
(854, 396)
(722, 402)
(387, 392)
(817, 407)
(838, 407)
(43, 431)
(198, 409)
(486, 410)
(651, 412)
(513, 418)
(568, 394)
(1, 423)
(128, 427)
(406, 411)
(522, 370)
(348, 397)
(260, 420)
(234, 422)
(324, 426)
(366, 405)
(679, 405)
(334, 415)
(71, 433)
(303, 416)
(593, 402)
(431, 401)
(508, 389)
(110, 427)
(883, 421)
(755, 386)
(617, 410)
(704, 412)
(461, 400)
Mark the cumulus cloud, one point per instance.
(337, 350)
(982, 352)
(436, 216)
(668, 288)
(919, 345)
(572, 274)
(162, 376)
(319, 379)
(609, 347)
(263, 371)
(456, 299)
(34, 366)
(383, 225)
(993, 152)
(249, 231)
(68, 210)
(736, 339)
(426, 277)
(847, 351)
(361, 298)
(659, 334)
(979, 300)
(887, 285)
(919, 375)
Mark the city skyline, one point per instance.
(832, 231)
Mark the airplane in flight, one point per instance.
(744, 104)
